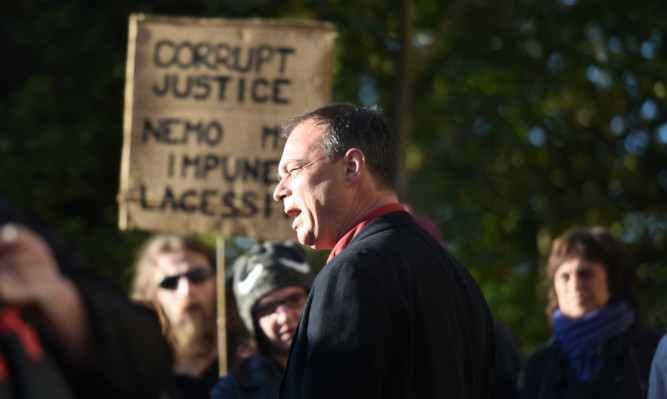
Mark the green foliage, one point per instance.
(548, 117)
(519, 120)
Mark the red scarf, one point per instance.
(11, 324)
(360, 224)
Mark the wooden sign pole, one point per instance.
(222, 316)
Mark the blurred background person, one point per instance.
(600, 348)
(175, 275)
(271, 285)
(66, 331)
(657, 383)
(508, 362)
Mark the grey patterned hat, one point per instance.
(266, 268)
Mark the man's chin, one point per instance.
(192, 314)
(191, 322)
(194, 335)
(309, 239)
(286, 339)
(302, 236)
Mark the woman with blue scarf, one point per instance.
(599, 348)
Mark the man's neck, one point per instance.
(363, 204)
(193, 365)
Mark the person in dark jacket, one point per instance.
(65, 329)
(271, 283)
(509, 360)
(392, 314)
(599, 349)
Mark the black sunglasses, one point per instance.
(197, 276)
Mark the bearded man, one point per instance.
(175, 275)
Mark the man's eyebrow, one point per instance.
(278, 178)
(282, 167)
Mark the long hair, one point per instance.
(595, 244)
(145, 282)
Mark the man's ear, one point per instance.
(354, 162)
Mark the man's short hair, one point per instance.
(350, 126)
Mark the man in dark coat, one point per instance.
(392, 314)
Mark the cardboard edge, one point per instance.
(213, 21)
(123, 211)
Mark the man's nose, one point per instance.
(283, 313)
(281, 191)
(183, 287)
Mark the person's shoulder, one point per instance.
(662, 345)
(536, 367)
(391, 234)
(243, 376)
(353, 263)
(255, 371)
(542, 354)
(392, 224)
(660, 356)
(225, 388)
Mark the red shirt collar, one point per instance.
(360, 224)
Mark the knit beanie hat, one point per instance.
(265, 268)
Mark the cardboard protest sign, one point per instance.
(204, 102)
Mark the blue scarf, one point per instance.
(580, 338)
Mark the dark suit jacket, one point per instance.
(392, 316)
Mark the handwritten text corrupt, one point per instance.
(254, 74)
